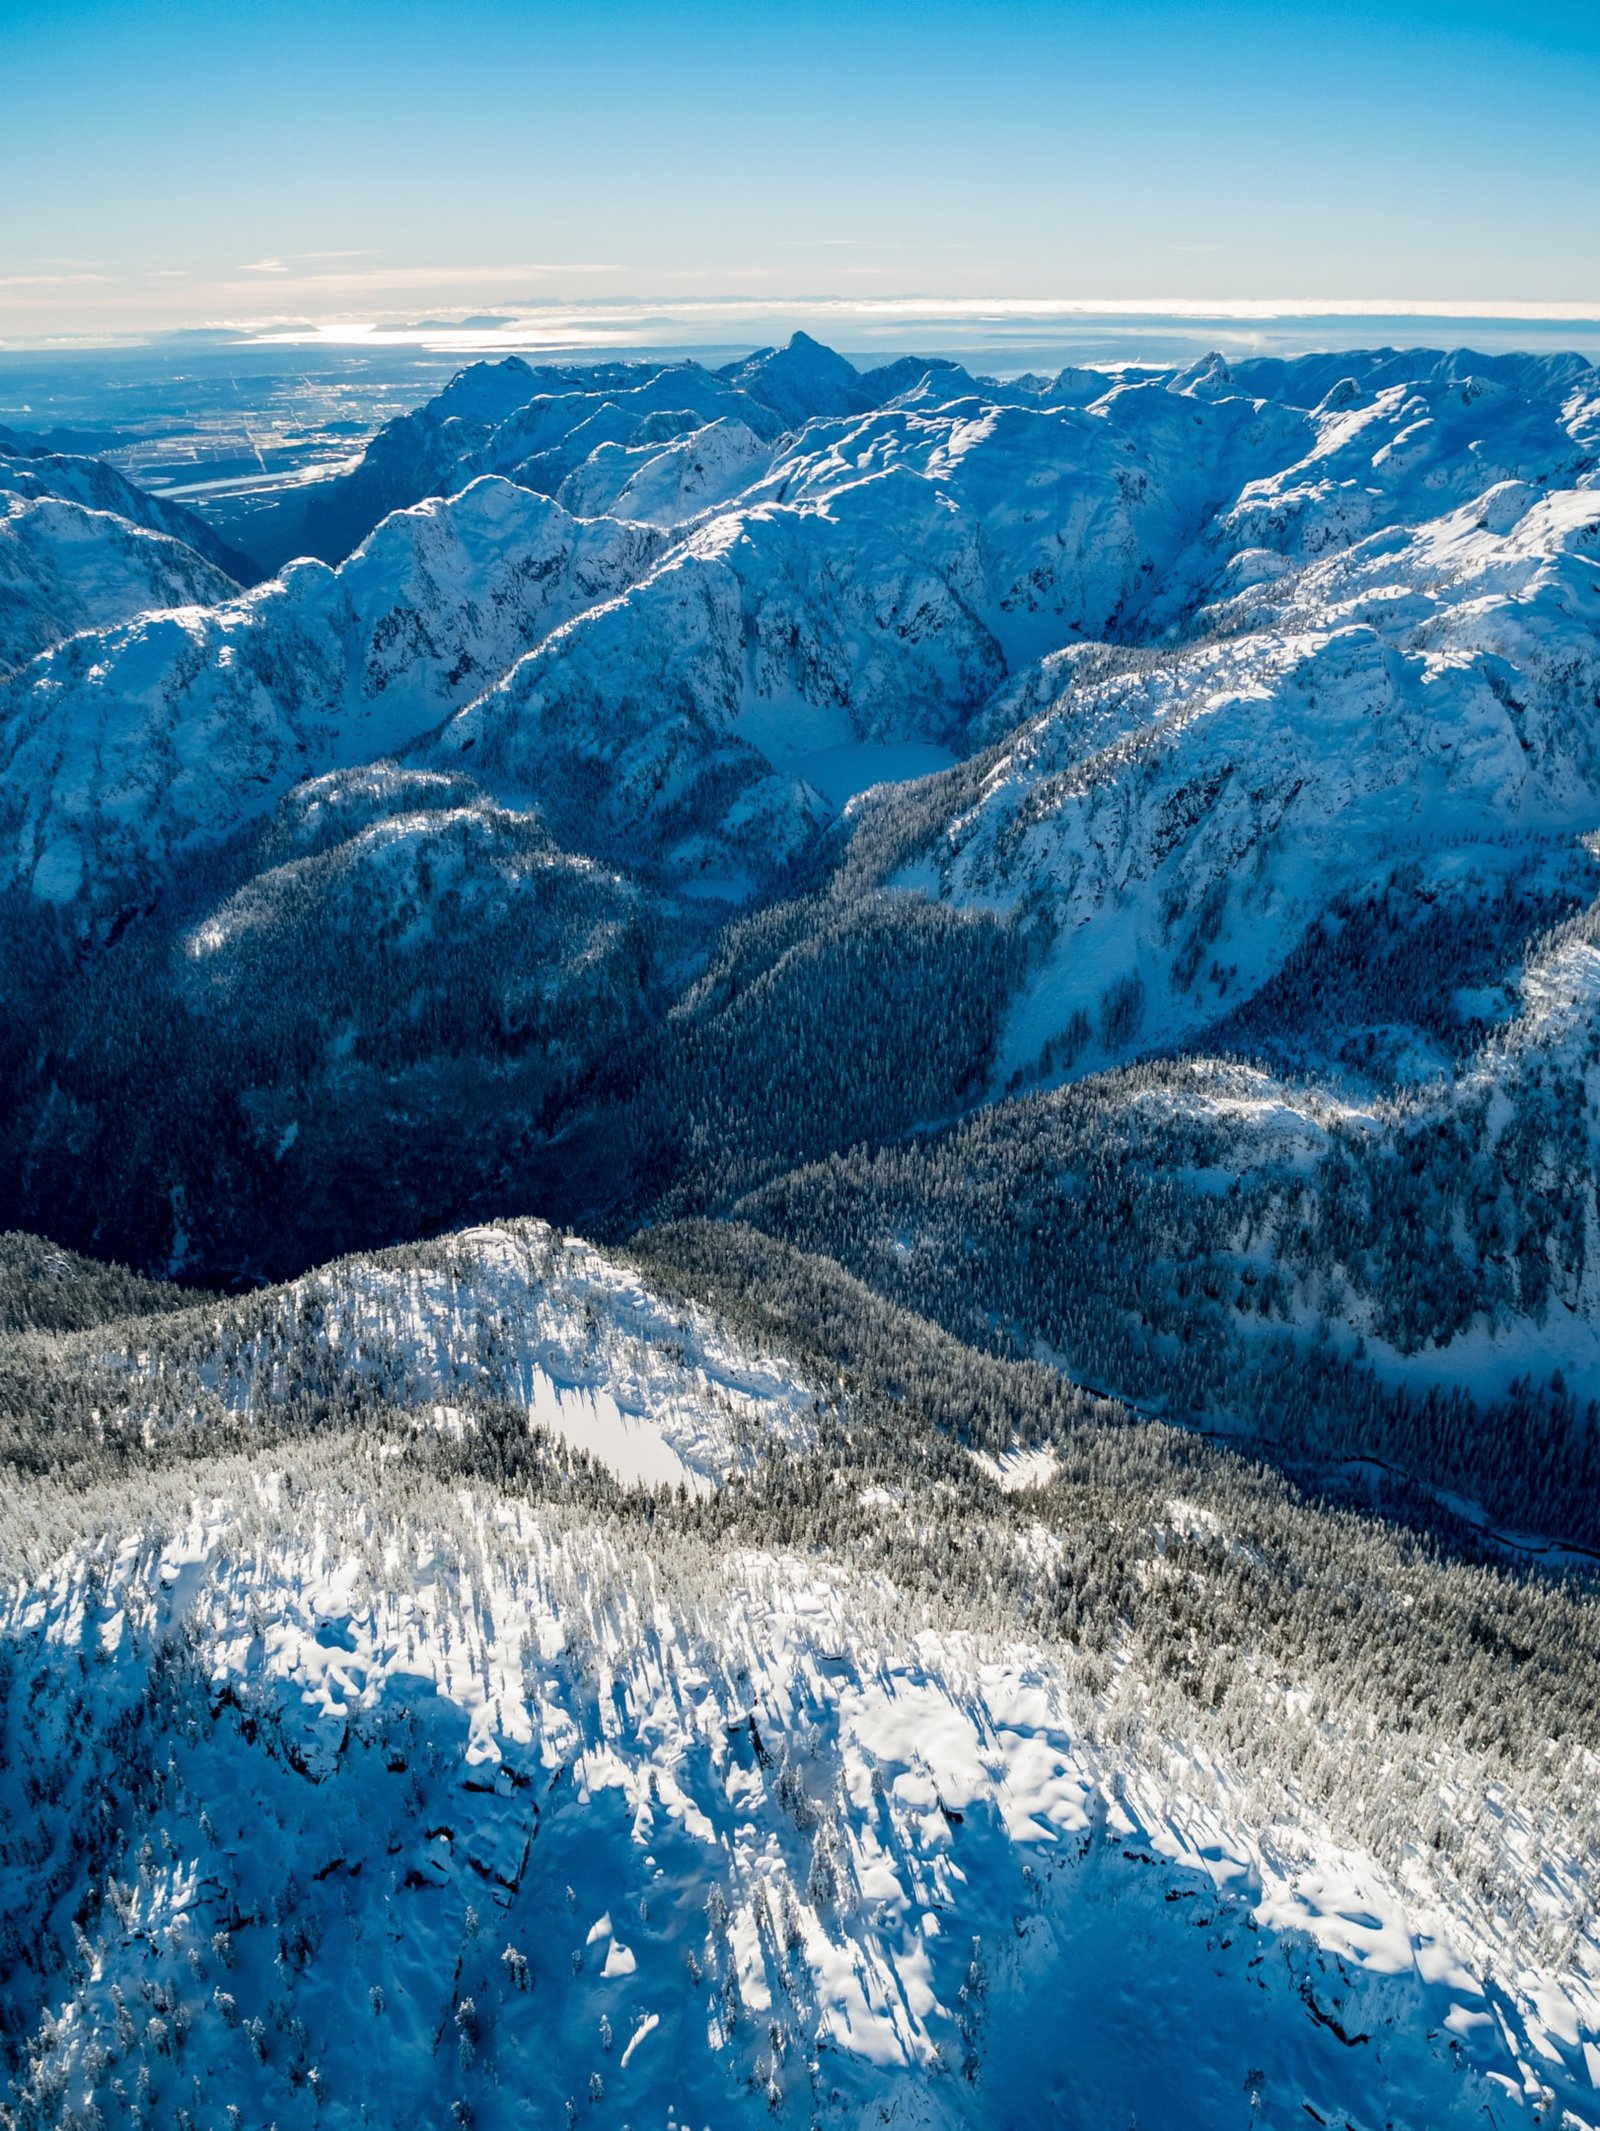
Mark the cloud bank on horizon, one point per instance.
(170, 164)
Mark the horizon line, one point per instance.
(529, 316)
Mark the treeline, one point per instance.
(1414, 974)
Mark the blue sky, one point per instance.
(173, 162)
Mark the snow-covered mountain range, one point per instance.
(1057, 918)
(1139, 687)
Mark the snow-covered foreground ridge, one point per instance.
(361, 1768)
(448, 1804)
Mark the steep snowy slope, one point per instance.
(532, 424)
(547, 425)
(121, 750)
(1374, 427)
(1176, 821)
(538, 424)
(881, 575)
(873, 590)
(1409, 1278)
(64, 569)
(556, 431)
(416, 455)
(1078, 518)
(759, 641)
(98, 487)
(666, 482)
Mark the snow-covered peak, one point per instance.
(122, 748)
(99, 487)
(66, 569)
(656, 1391)
(667, 482)
(801, 380)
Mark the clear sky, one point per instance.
(168, 162)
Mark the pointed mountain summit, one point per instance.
(801, 381)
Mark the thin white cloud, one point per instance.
(48, 281)
(280, 263)
(361, 281)
(1252, 308)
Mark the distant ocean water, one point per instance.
(128, 384)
